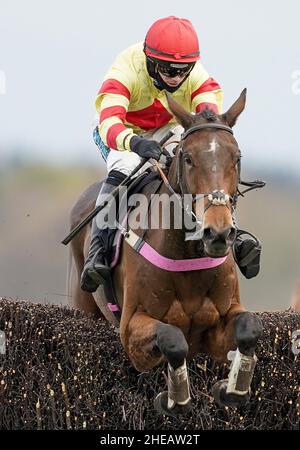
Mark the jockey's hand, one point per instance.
(146, 148)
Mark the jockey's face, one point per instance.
(172, 81)
(174, 74)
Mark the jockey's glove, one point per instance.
(146, 148)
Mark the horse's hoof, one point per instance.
(224, 399)
(161, 406)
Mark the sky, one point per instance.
(54, 55)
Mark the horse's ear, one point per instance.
(183, 117)
(236, 109)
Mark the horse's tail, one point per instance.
(295, 300)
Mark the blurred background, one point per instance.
(53, 56)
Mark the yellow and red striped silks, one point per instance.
(128, 103)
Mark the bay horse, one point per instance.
(172, 316)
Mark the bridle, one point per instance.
(216, 197)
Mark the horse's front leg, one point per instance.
(148, 342)
(235, 336)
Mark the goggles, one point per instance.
(172, 72)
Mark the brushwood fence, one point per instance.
(60, 369)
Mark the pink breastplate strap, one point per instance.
(172, 265)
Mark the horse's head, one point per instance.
(207, 162)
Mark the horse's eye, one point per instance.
(188, 159)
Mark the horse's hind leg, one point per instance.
(149, 341)
(237, 331)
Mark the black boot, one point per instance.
(96, 271)
(246, 253)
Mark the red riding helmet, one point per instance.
(172, 39)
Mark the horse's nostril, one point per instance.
(208, 234)
(228, 234)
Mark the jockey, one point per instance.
(134, 114)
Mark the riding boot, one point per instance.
(246, 252)
(96, 271)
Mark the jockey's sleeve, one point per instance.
(112, 103)
(205, 91)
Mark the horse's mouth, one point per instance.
(216, 250)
